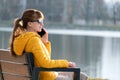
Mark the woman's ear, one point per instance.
(29, 23)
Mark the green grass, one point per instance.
(57, 25)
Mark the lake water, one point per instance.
(98, 56)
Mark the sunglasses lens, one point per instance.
(40, 21)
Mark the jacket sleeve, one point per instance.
(42, 57)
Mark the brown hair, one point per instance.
(20, 24)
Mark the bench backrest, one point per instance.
(13, 68)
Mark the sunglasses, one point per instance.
(39, 21)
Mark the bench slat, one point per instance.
(5, 55)
(13, 68)
(13, 77)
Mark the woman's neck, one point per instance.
(30, 30)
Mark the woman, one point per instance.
(25, 38)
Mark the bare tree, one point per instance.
(100, 10)
(11, 8)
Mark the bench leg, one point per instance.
(35, 75)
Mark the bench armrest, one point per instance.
(36, 71)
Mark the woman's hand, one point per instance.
(72, 65)
(45, 36)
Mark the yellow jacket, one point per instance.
(31, 42)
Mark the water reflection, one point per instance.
(85, 51)
(111, 58)
(97, 56)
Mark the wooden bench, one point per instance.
(22, 67)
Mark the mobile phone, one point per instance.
(42, 32)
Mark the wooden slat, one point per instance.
(14, 68)
(5, 55)
(13, 77)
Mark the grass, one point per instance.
(57, 25)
